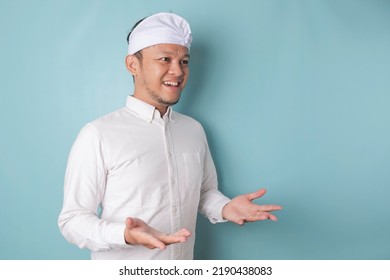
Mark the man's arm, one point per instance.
(84, 188)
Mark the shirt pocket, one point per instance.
(193, 170)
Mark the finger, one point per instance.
(268, 216)
(130, 223)
(154, 242)
(183, 232)
(171, 239)
(261, 216)
(145, 239)
(258, 216)
(272, 217)
(178, 237)
(238, 221)
(268, 208)
(256, 194)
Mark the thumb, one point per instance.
(256, 194)
(130, 223)
(238, 221)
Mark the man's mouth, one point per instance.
(172, 84)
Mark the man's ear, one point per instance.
(132, 64)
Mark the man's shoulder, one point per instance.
(109, 122)
(110, 118)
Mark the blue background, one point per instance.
(294, 97)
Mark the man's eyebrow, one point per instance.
(174, 53)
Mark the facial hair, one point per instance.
(162, 101)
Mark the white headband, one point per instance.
(161, 28)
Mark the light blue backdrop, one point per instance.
(294, 97)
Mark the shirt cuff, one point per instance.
(115, 235)
(217, 217)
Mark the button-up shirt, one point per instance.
(135, 163)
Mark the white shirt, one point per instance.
(133, 163)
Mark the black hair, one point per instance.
(132, 29)
(137, 54)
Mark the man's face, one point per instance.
(161, 74)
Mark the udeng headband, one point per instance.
(161, 28)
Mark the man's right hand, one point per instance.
(137, 232)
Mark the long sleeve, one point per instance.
(84, 189)
(211, 199)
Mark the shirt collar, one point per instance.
(145, 110)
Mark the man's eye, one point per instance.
(165, 59)
(185, 61)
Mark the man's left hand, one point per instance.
(241, 209)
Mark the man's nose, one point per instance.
(176, 69)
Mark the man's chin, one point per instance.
(165, 99)
(169, 102)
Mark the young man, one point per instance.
(148, 168)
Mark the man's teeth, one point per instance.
(175, 84)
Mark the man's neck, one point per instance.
(162, 109)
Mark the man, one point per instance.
(147, 167)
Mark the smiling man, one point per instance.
(147, 167)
